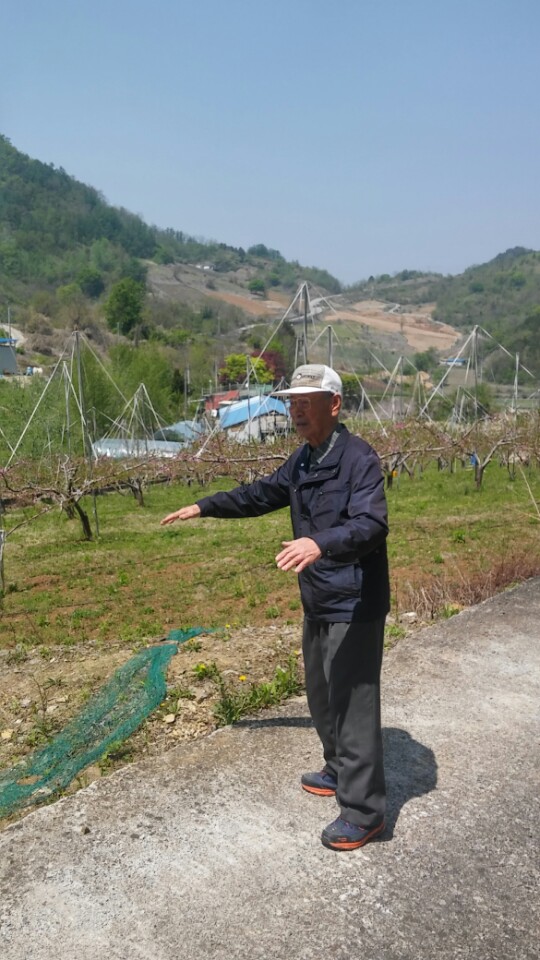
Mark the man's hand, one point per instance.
(298, 554)
(186, 513)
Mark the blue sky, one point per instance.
(364, 136)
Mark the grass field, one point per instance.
(74, 610)
(139, 579)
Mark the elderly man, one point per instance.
(334, 488)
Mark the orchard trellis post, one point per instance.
(2, 543)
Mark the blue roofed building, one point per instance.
(255, 418)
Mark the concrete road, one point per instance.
(213, 851)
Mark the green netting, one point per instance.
(132, 693)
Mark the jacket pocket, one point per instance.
(327, 506)
(326, 579)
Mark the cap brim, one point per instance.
(295, 390)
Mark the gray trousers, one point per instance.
(343, 668)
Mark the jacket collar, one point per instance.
(334, 455)
(331, 459)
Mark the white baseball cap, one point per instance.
(313, 378)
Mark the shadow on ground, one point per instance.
(410, 766)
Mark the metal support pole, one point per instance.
(305, 322)
(330, 347)
(516, 384)
(80, 392)
(475, 362)
(2, 581)
(87, 447)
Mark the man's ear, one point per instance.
(336, 404)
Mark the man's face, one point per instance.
(315, 415)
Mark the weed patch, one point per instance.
(234, 704)
(445, 595)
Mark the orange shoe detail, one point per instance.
(319, 791)
(343, 844)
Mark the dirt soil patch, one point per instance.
(252, 305)
(188, 284)
(415, 325)
(40, 695)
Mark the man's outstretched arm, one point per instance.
(253, 500)
(185, 513)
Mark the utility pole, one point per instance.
(248, 371)
(186, 390)
(475, 368)
(516, 384)
(80, 392)
(68, 417)
(297, 349)
(87, 450)
(330, 347)
(305, 291)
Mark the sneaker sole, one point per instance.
(319, 791)
(353, 844)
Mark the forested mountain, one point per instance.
(55, 230)
(69, 259)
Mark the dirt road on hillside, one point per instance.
(416, 325)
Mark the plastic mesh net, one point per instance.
(117, 710)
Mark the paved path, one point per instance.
(17, 334)
(213, 851)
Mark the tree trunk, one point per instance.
(85, 522)
(479, 474)
(137, 490)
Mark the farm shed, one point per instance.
(256, 418)
(117, 449)
(216, 399)
(8, 357)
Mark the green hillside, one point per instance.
(502, 296)
(69, 259)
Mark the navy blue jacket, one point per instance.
(342, 507)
